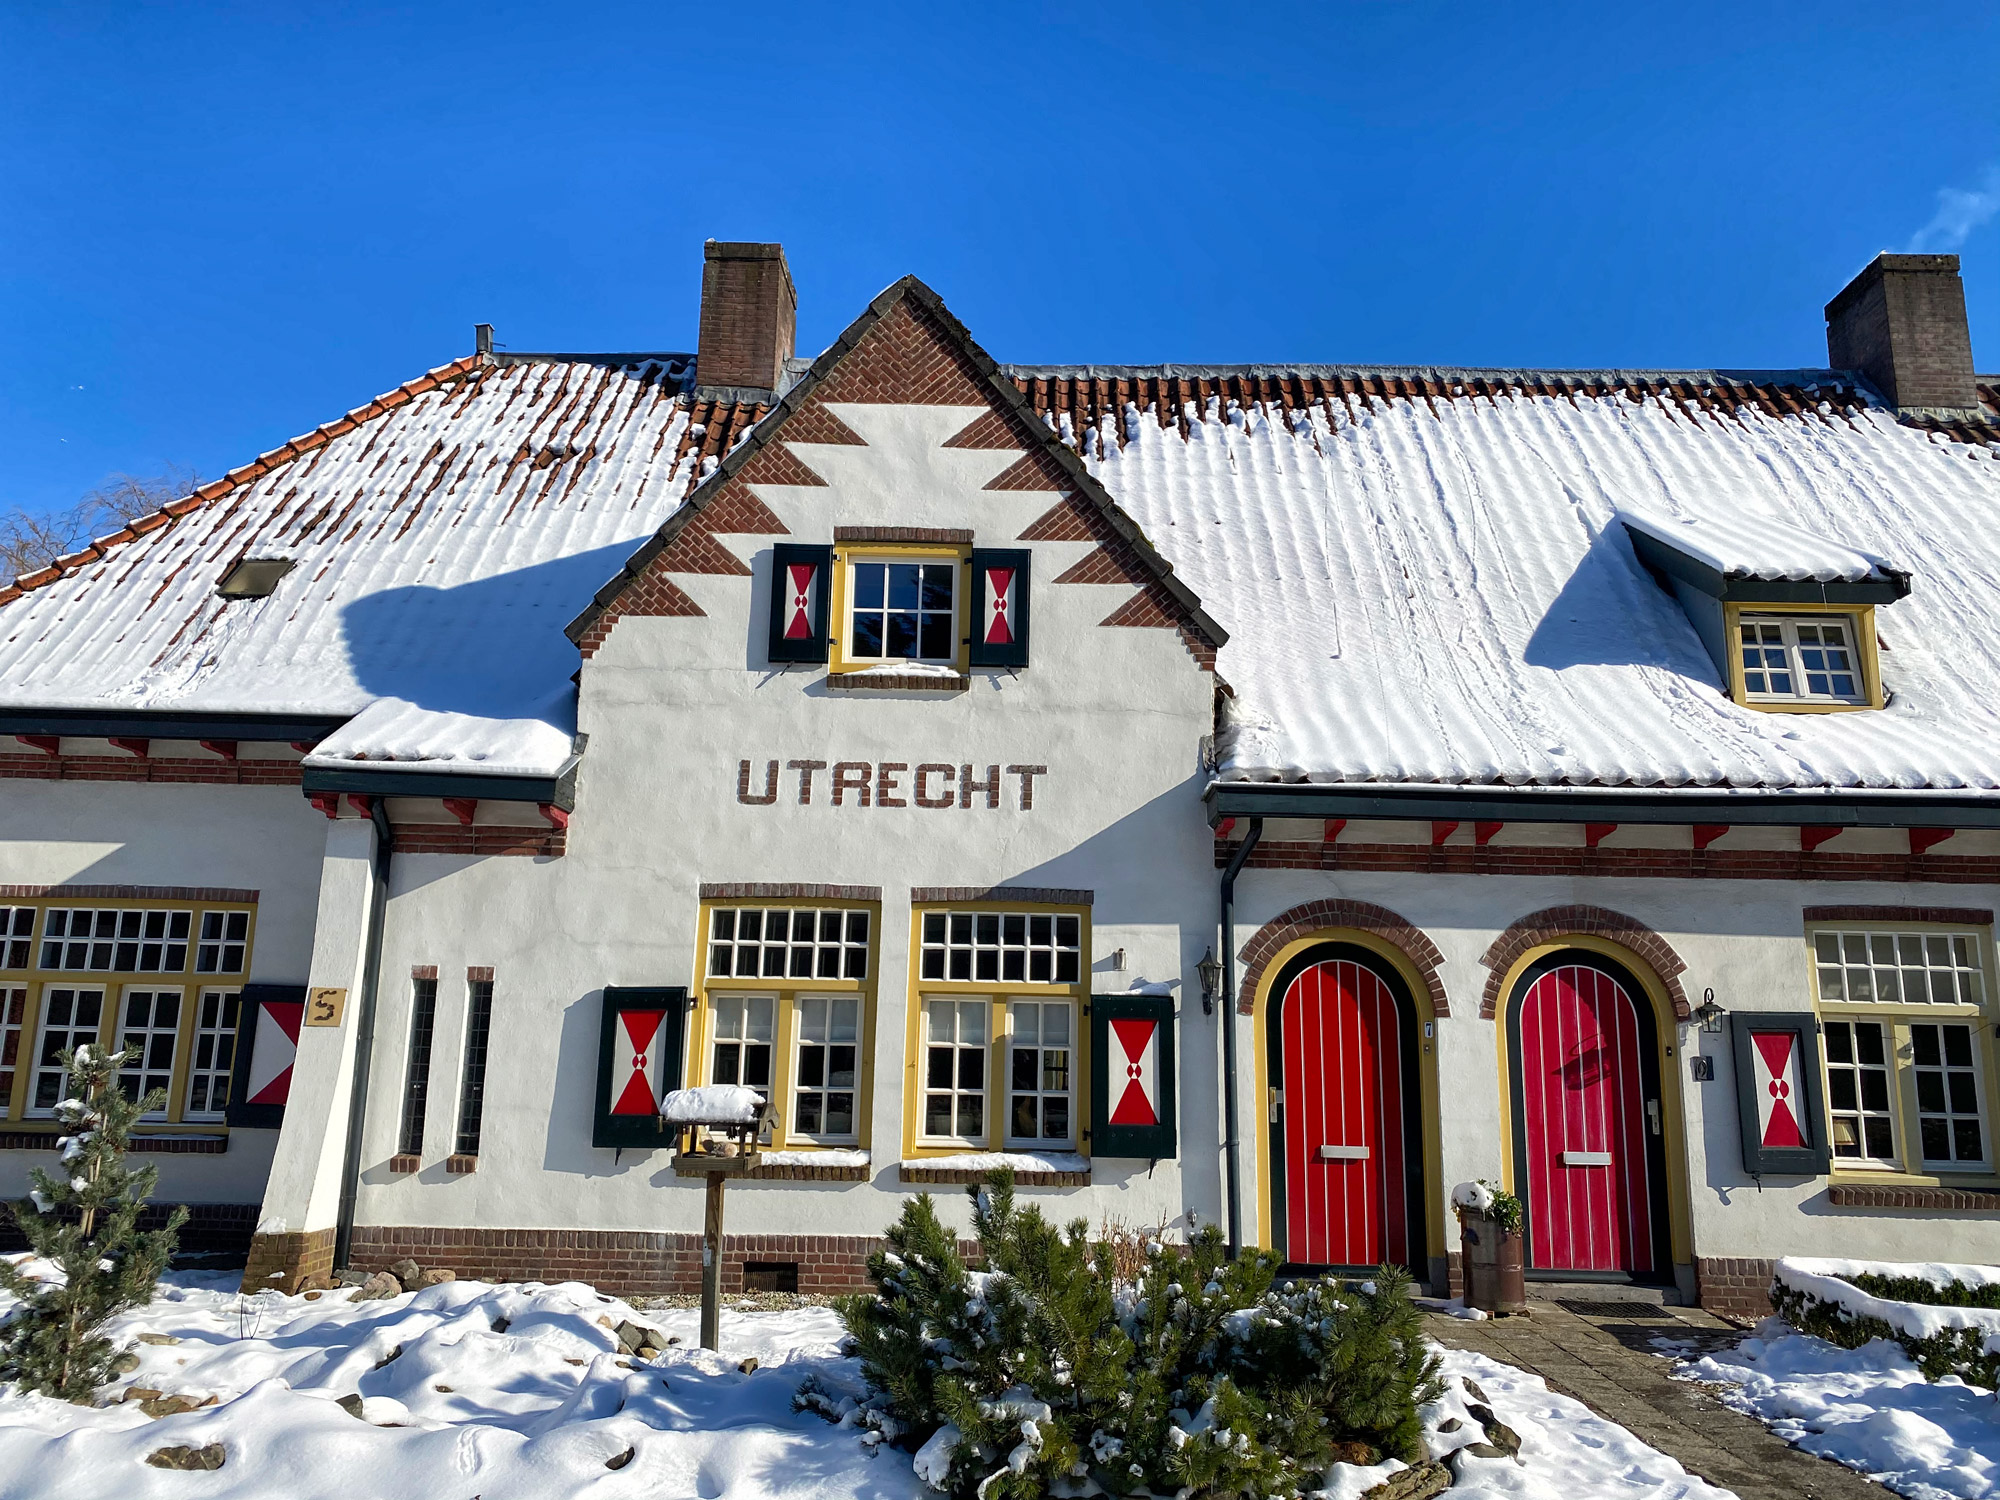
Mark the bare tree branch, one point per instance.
(29, 542)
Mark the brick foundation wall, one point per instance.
(282, 1261)
(626, 1263)
(1734, 1285)
(211, 1228)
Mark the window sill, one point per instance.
(404, 1162)
(458, 1166)
(1906, 1194)
(1031, 1169)
(899, 682)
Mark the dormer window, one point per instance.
(904, 610)
(1800, 660)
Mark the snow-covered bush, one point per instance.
(1046, 1369)
(1948, 1325)
(84, 1222)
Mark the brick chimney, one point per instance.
(748, 311)
(1901, 323)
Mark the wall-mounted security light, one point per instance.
(254, 577)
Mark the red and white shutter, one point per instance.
(638, 1064)
(1132, 1075)
(267, 1049)
(1778, 1105)
(999, 607)
(1775, 1056)
(1135, 1071)
(801, 581)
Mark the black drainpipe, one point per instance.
(364, 1030)
(1228, 1011)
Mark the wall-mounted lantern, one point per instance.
(1708, 1013)
(1210, 973)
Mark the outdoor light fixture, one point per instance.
(1211, 976)
(1708, 1013)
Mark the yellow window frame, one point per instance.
(114, 983)
(1863, 618)
(1897, 1017)
(999, 1033)
(847, 554)
(787, 992)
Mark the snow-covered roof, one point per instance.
(1424, 578)
(442, 535)
(1760, 547)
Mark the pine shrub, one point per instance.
(1048, 1369)
(85, 1222)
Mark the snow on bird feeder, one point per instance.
(716, 1130)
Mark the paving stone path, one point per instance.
(1602, 1354)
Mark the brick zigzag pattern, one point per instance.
(1360, 916)
(1554, 923)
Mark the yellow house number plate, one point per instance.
(324, 1007)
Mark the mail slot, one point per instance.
(1343, 1153)
(1586, 1158)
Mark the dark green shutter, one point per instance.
(1118, 1062)
(999, 607)
(798, 629)
(1757, 1088)
(617, 1122)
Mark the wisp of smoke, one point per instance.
(1960, 211)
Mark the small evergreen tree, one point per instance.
(1053, 1369)
(85, 1222)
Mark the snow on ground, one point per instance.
(1869, 1408)
(498, 1391)
(1568, 1452)
(470, 1389)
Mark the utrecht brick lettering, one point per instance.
(933, 784)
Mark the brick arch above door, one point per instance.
(1554, 923)
(1314, 917)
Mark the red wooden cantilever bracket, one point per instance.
(1482, 833)
(557, 817)
(1596, 833)
(132, 745)
(1707, 833)
(1811, 838)
(48, 744)
(361, 803)
(1333, 827)
(1225, 828)
(326, 802)
(1928, 838)
(305, 747)
(1440, 832)
(224, 748)
(462, 808)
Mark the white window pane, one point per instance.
(846, 1019)
(1055, 1024)
(729, 1016)
(763, 1012)
(972, 1022)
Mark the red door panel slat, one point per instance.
(1343, 1087)
(1582, 1094)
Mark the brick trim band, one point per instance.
(479, 974)
(796, 1172)
(1320, 916)
(175, 770)
(968, 1175)
(423, 971)
(1554, 923)
(481, 838)
(623, 1262)
(947, 536)
(1605, 863)
(1958, 916)
(764, 890)
(1045, 895)
(126, 893)
(158, 1145)
(1952, 1200)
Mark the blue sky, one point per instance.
(220, 226)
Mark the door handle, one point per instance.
(1653, 1114)
(1343, 1153)
(1276, 1103)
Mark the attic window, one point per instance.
(254, 577)
(1805, 660)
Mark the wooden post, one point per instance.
(711, 1264)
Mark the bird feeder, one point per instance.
(716, 1134)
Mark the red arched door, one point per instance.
(1588, 1119)
(1341, 1153)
